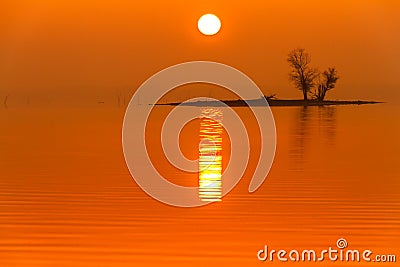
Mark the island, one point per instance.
(273, 102)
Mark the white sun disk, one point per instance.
(209, 24)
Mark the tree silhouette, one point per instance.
(5, 101)
(329, 79)
(302, 74)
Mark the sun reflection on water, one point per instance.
(210, 155)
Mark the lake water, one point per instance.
(67, 198)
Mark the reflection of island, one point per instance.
(271, 101)
(300, 137)
(312, 128)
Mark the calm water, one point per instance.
(67, 199)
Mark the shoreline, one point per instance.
(271, 102)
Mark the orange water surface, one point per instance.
(67, 198)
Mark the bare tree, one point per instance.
(119, 97)
(328, 82)
(5, 101)
(302, 74)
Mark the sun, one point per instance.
(209, 24)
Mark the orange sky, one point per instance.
(97, 47)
